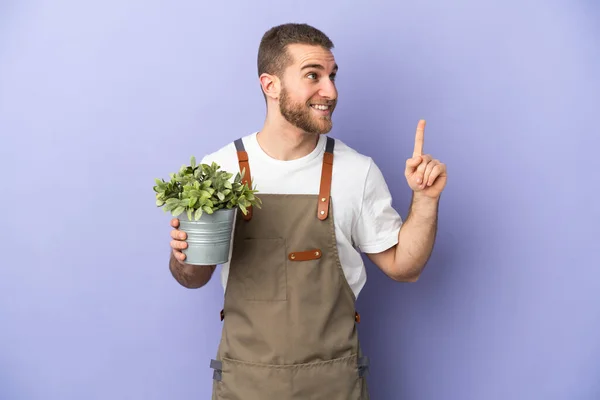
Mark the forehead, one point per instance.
(304, 54)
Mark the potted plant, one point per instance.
(205, 199)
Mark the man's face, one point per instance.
(308, 94)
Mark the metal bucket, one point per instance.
(209, 238)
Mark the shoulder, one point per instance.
(361, 172)
(225, 156)
(350, 160)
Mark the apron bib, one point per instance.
(289, 318)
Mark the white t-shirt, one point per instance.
(362, 204)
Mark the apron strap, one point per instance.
(244, 165)
(218, 367)
(326, 172)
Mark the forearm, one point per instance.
(416, 237)
(190, 276)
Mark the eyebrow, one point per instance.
(318, 66)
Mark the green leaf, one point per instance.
(203, 188)
(178, 211)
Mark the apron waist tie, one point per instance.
(218, 367)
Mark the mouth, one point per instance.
(324, 109)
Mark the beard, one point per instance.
(301, 116)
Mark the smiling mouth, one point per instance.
(321, 107)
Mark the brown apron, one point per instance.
(289, 329)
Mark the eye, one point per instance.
(333, 77)
(312, 75)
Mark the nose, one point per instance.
(328, 89)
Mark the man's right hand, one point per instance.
(178, 243)
(189, 276)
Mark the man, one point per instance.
(289, 319)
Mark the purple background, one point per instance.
(97, 98)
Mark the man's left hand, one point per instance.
(425, 175)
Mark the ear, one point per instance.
(271, 85)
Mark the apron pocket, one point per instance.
(258, 269)
(240, 380)
(337, 379)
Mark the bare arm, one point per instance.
(405, 261)
(426, 177)
(190, 276)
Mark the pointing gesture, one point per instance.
(419, 139)
(424, 174)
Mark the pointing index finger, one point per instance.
(419, 139)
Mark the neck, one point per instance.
(283, 141)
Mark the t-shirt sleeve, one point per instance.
(378, 224)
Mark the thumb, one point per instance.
(413, 162)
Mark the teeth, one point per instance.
(320, 107)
